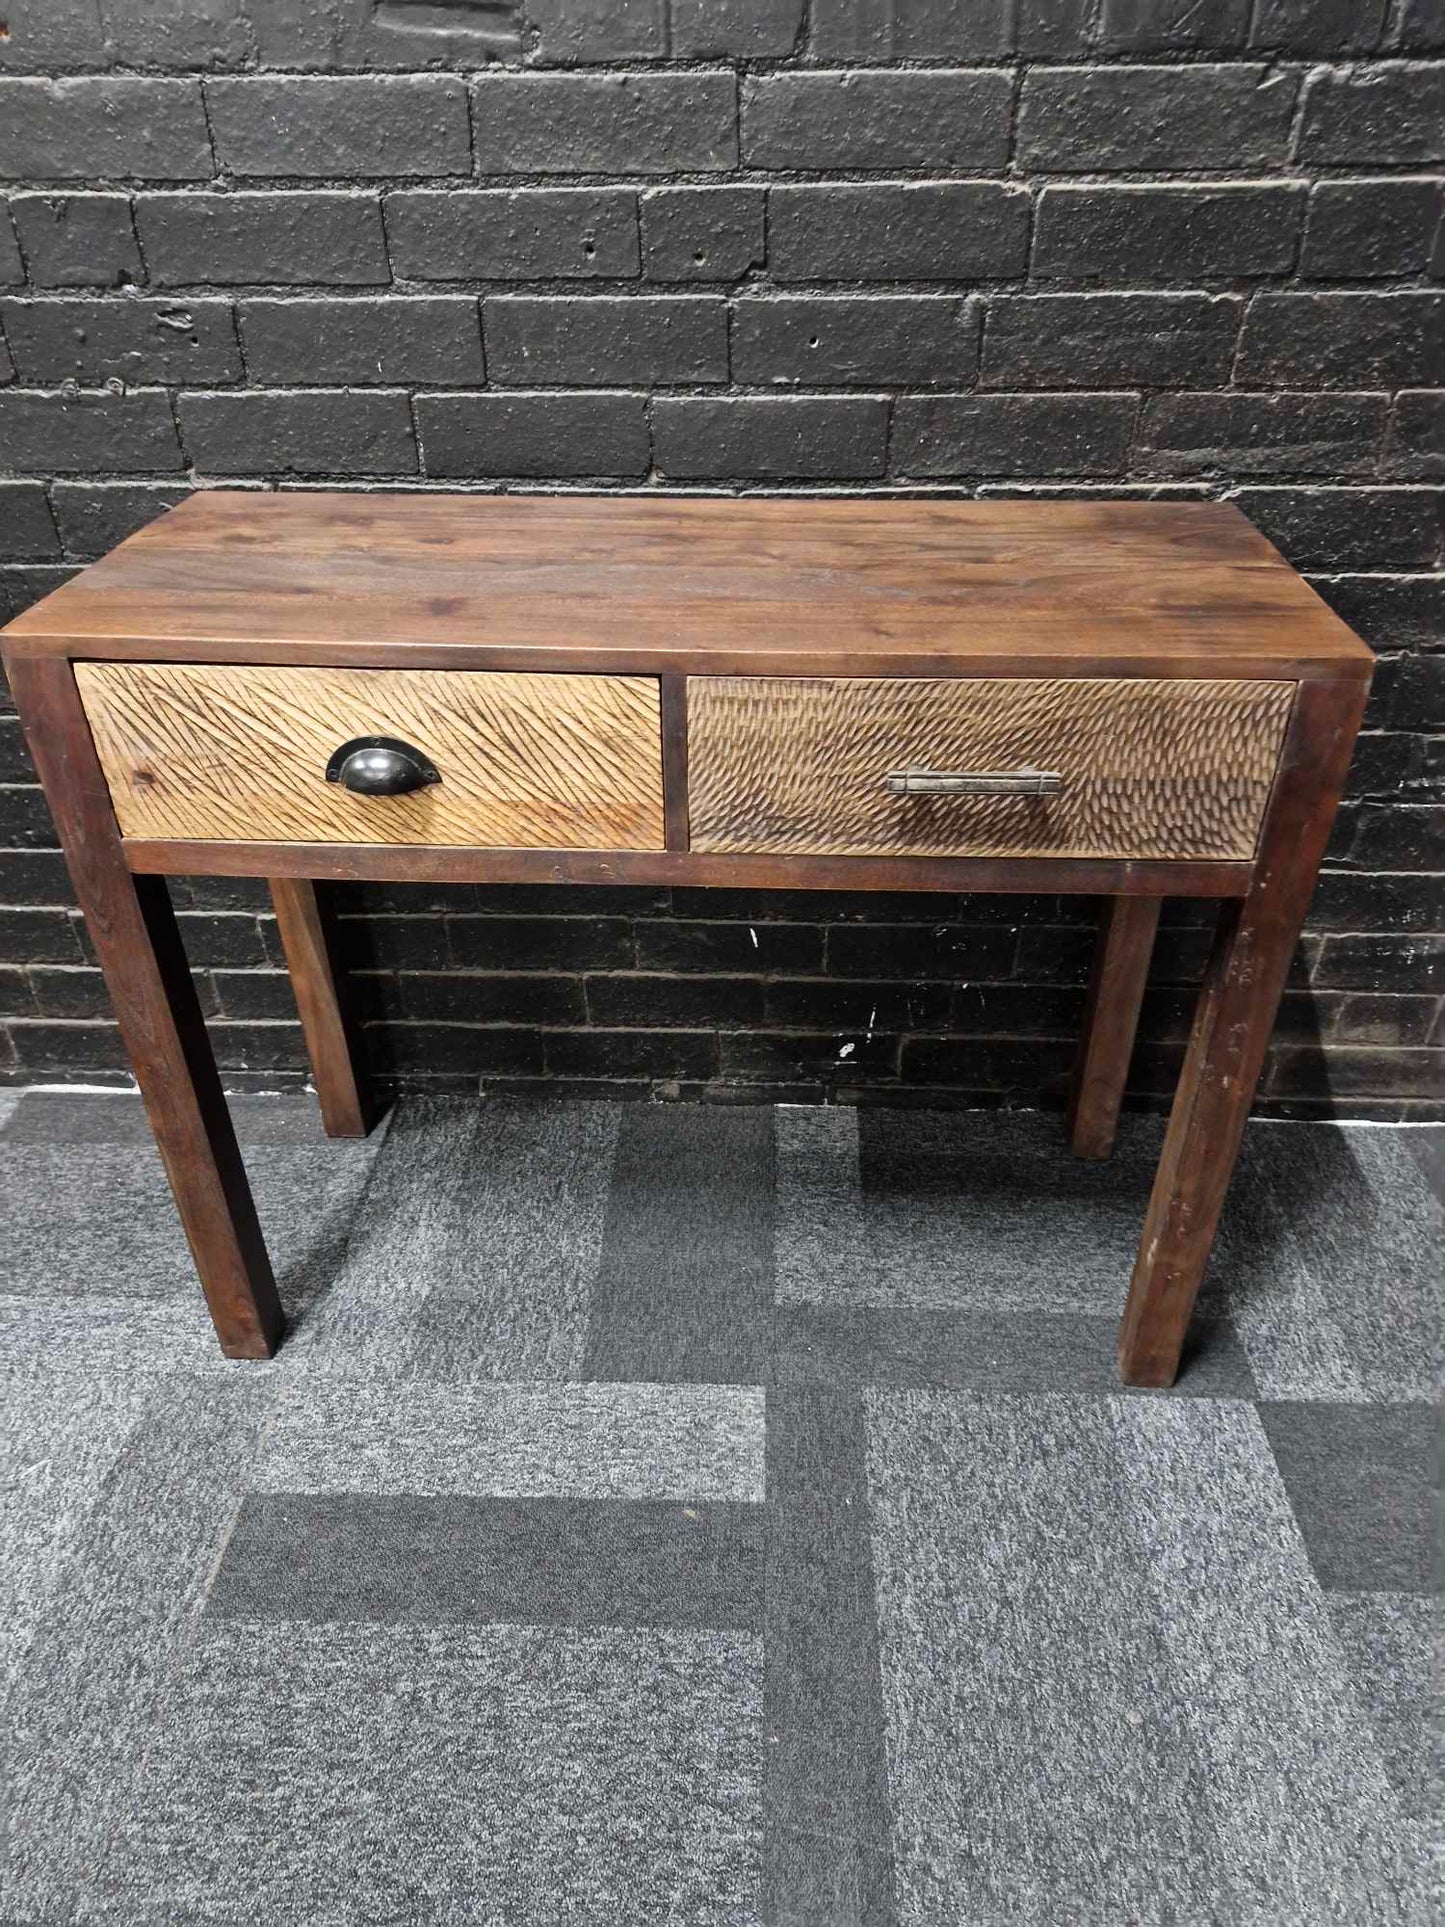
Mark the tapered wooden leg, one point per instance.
(1116, 990)
(1232, 1025)
(306, 938)
(133, 928)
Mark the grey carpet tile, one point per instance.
(961, 1210)
(1065, 1585)
(85, 1702)
(686, 1271)
(1364, 1481)
(359, 1556)
(516, 1441)
(1392, 1642)
(828, 1849)
(1331, 1261)
(1005, 1351)
(474, 1250)
(97, 1218)
(58, 1446)
(347, 1776)
(119, 1117)
(90, 1336)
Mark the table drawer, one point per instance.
(1146, 768)
(240, 754)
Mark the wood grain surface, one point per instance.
(632, 584)
(239, 753)
(1151, 769)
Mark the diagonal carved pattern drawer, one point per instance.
(1148, 768)
(206, 752)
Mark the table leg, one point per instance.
(1116, 990)
(1232, 1025)
(306, 937)
(133, 928)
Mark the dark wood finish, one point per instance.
(133, 928)
(1116, 990)
(643, 584)
(653, 586)
(307, 939)
(1232, 1024)
(422, 863)
(674, 762)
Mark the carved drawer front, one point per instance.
(1003, 767)
(240, 754)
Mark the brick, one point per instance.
(308, 432)
(735, 29)
(94, 516)
(602, 942)
(1388, 112)
(16, 997)
(1389, 611)
(522, 234)
(499, 434)
(1344, 341)
(671, 1054)
(929, 231)
(577, 31)
(354, 128)
(1166, 234)
(701, 233)
(1318, 26)
(933, 118)
(1359, 230)
(592, 340)
(141, 341)
(945, 951)
(78, 240)
(72, 434)
(27, 532)
(471, 998)
(198, 33)
(361, 34)
(1055, 27)
(38, 936)
(1417, 699)
(54, 35)
(834, 1007)
(70, 130)
(1398, 836)
(1109, 340)
(1012, 434)
(12, 268)
(359, 340)
(7, 365)
(1260, 434)
(1172, 26)
(1420, 26)
(675, 1003)
(729, 948)
(912, 30)
(1348, 528)
(1362, 962)
(782, 437)
(601, 123)
(15, 764)
(820, 341)
(52, 1044)
(1104, 120)
(235, 239)
(26, 583)
(1416, 442)
(61, 990)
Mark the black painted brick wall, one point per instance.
(973, 246)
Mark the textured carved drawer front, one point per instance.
(1149, 768)
(239, 754)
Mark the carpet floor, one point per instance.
(715, 1516)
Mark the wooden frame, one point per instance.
(121, 888)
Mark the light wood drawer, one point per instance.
(239, 754)
(1149, 769)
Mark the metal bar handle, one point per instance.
(979, 782)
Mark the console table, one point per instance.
(1128, 699)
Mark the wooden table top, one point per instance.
(759, 585)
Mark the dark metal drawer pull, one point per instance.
(979, 782)
(381, 766)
